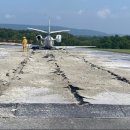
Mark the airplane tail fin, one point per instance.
(49, 29)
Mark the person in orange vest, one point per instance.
(24, 44)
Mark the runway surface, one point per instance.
(62, 89)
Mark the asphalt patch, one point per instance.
(66, 110)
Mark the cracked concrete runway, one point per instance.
(61, 84)
(60, 76)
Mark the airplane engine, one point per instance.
(58, 38)
(39, 37)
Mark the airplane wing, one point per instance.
(59, 31)
(76, 46)
(37, 30)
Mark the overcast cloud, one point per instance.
(110, 16)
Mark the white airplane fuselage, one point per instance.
(48, 42)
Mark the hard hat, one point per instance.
(24, 37)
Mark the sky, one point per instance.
(109, 16)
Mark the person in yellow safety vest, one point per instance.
(24, 43)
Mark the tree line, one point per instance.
(111, 42)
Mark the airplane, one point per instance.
(48, 40)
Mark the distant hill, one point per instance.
(76, 32)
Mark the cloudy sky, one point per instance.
(110, 16)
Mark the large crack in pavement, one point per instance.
(118, 77)
(79, 98)
(94, 80)
(14, 74)
(18, 70)
(59, 72)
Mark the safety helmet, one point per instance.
(24, 37)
